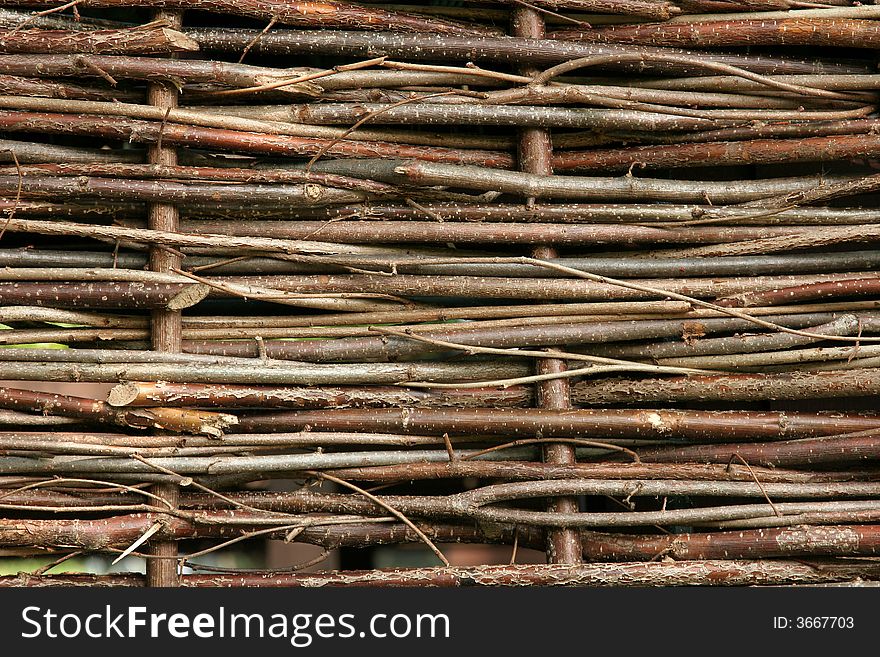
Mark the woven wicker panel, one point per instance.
(568, 292)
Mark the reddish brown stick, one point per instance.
(150, 39)
(301, 13)
(531, 288)
(655, 9)
(788, 453)
(169, 419)
(730, 387)
(818, 32)
(14, 85)
(853, 287)
(535, 153)
(96, 295)
(775, 542)
(724, 153)
(122, 530)
(482, 49)
(148, 132)
(166, 331)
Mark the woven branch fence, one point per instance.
(595, 280)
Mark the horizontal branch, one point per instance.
(231, 396)
(787, 542)
(730, 387)
(265, 373)
(721, 153)
(624, 188)
(708, 573)
(91, 295)
(392, 348)
(508, 50)
(238, 141)
(597, 424)
(152, 39)
(816, 32)
(303, 13)
(169, 419)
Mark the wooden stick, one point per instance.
(303, 13)
(710, 573)
(794, 453)
(146, 394)
(149, 39)
(393, 348)
(598, 423)
(729, 387)
(839, 540)
(820, 32)
(854, 287)
(263, 374)
(147, 132)
(721, 153)
(478, 49)
(171, 419)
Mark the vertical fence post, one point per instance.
(165, 325)
(535, 150)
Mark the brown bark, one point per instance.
(101, 295)
(14, 85)
(483, 49)
(658, 10)
(854, 287)
(522, 471)
(596, 424)
(168, 191)
(231, 396)
(530, 288)
(624, 188)
(371, 232)
(260, 373)
(166, 333)
(743, 343)
(705, 6)
(535, 150)
(200, 173)
(169, 419)
(730, 387)
(153, 39)
(786, 542)
(499, 115)
(857, 540)
(707, 573)
(300, 13)
(121, 531)
(150, 69)
(147, 132)
(394, 348)
(722, 153)
(818, 32)
(786, 453)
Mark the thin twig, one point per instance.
(57, 562)
(757, 481)
(397, 514)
